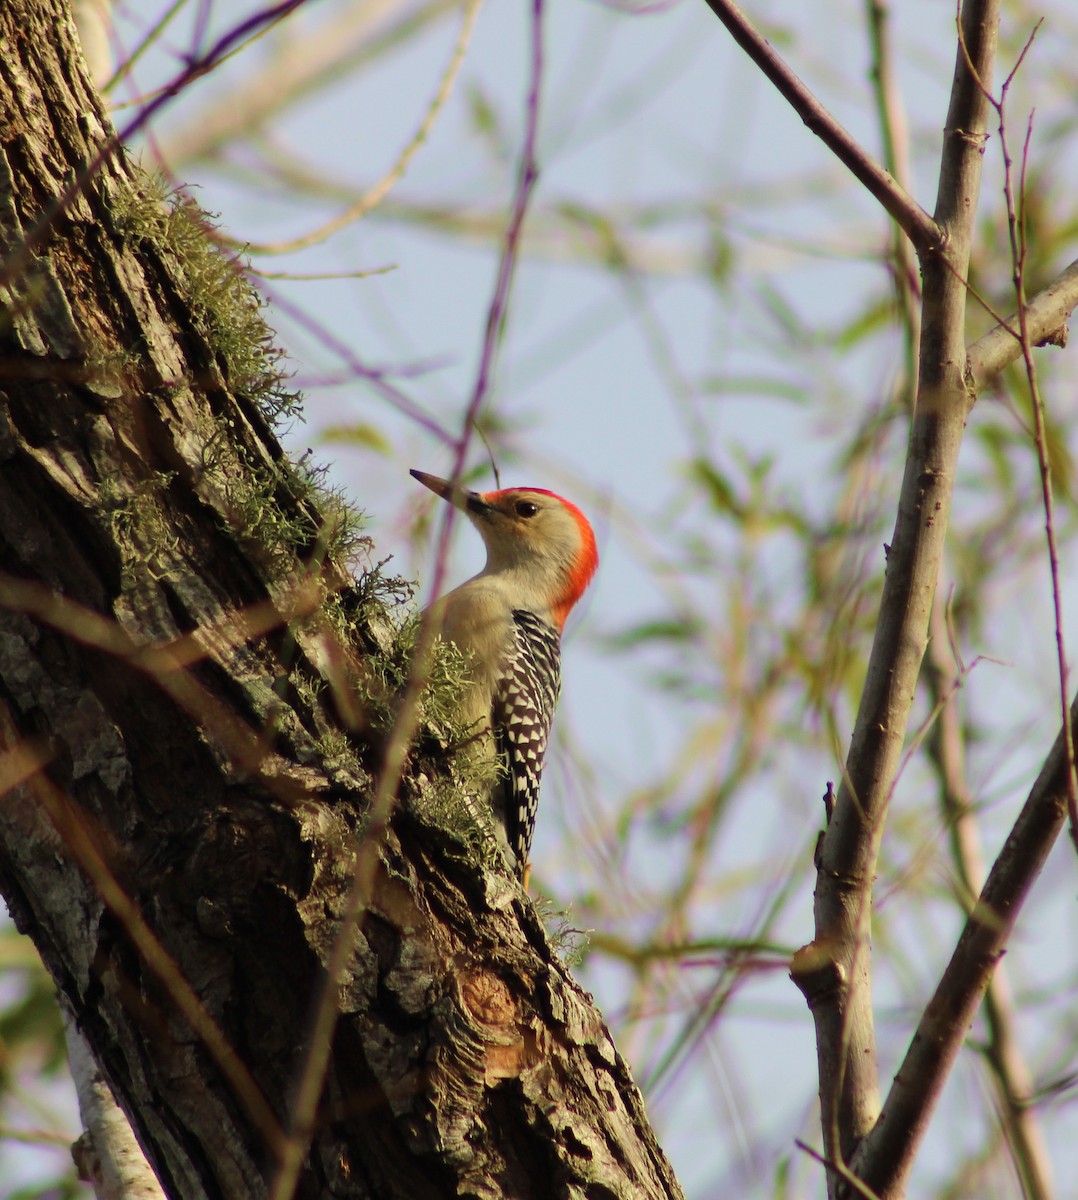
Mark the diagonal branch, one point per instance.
(887, 1154)
(918, 226)
(1005, 1064)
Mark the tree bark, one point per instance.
(181, 812)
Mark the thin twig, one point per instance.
(310, 59)
(840, 1170)
(154, 34)
(376, 378)
(376, 194)
(1017, 232)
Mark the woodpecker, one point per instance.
(508, 621)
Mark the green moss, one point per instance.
(227, 308)
(282, 506)
(569, 943)
(288, 512)
(288, 517)
(140, 528)
(453, 813)
(455, 769)
(463, 768)
(363, 614)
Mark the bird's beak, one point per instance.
(462, 498)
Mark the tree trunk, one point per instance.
(183, 809)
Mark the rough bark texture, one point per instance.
(139, 479)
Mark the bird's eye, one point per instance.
(525, 508)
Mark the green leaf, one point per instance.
(359, 434)
(719, 489)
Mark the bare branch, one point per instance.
(918, 226)
(847, 861)
(1046, 318)
(1017, 229)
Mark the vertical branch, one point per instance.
(895, 139)
(841, 953)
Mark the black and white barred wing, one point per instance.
(523, 710)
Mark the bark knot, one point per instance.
(510, 1046)
(817, 973)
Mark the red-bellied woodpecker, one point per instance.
(508, 621)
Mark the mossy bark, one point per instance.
(186, 792)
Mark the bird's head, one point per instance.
(541, 539)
